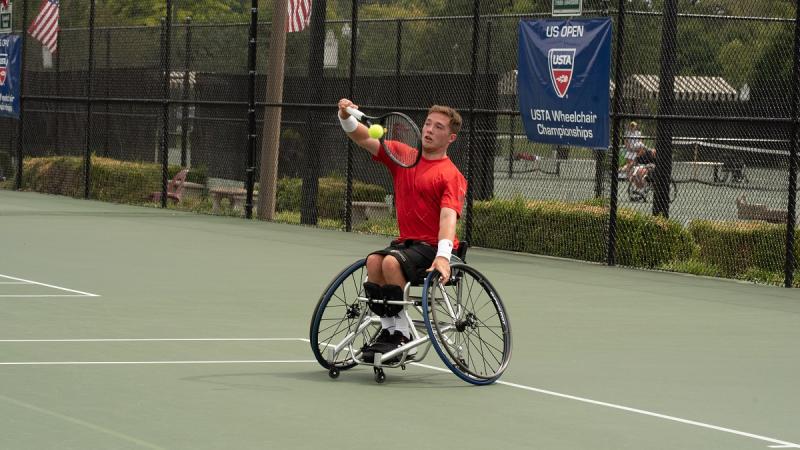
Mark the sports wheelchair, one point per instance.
(463, 319)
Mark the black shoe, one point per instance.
(399, 340)
(381, 342)
(384, 344)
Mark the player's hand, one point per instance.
(343, 105)
(441, 265)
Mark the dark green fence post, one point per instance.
(165, 66)
(187, 65)
(616, 106)
(87, 154)
(476, 24)
(666, 108)
(790, 216)
(348, 208)
(251, 109)
(21, 120)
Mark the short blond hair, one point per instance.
(455, 117)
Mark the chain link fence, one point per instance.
(146, 110)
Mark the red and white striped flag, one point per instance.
(45, 26)
(299, 15)
(4, 3)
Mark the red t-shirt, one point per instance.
(421, 192)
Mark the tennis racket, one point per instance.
(406, 148)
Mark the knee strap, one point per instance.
(393, 292)
(374, 292)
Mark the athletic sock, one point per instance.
(401, 324)
(389, 323)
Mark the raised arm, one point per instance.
(356, 131)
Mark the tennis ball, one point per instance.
(375, 131)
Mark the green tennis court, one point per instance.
(126, 328)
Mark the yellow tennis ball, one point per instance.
(375, 131)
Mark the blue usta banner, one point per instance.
(10, 65)
(563, 81)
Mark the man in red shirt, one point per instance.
(429, 198)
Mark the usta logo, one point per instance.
(561, 63)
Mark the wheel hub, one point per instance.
(353, 311)
(468, 322)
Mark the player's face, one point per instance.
(436, 135)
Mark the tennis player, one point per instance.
(429, 198)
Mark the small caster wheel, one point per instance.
(333, 372)
(380, 377)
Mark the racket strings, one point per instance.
(401, 130)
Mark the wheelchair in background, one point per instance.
(463, 319)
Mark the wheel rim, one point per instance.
(468, 325)
(338, 313)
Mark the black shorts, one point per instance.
(415, 257)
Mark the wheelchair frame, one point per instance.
(450, 338)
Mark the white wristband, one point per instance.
(445, 249)
(348, 125)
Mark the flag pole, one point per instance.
(268, 172)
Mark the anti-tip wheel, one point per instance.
(380, 376)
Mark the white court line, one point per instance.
(82, 423)
(780, 443)
(153, 339)
(41, 295)
(99, 363)
(88, 294)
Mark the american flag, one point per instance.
(4, 3)
(45, 26)
(299, 15)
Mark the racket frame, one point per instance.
(371, 120)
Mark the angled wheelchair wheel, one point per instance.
(338, 315)
(468, 324)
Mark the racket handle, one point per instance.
(354, 112)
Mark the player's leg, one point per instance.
(374, 268)
(406, 264)
(375, 289)
(395, 281)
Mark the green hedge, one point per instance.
(737, 248)
(133, 182)
(112, 180)
(578, 231)
(331, 195)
